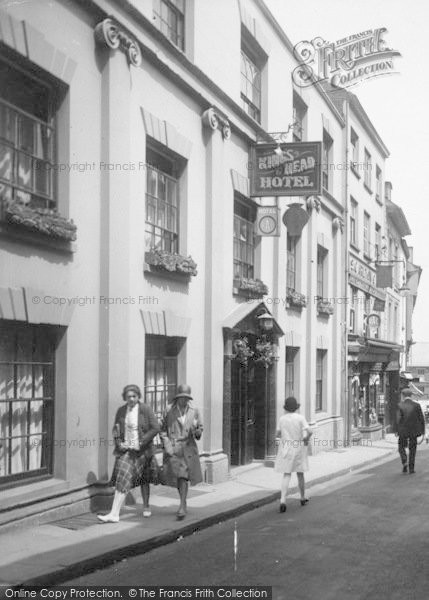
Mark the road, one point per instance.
(365, 535)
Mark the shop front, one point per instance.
(373, 387)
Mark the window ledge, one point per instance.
(18, 234)
(368, 189)
(163, 274)
(378, 200)
(355, 248)
(367, 256)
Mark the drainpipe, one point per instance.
(347, 424)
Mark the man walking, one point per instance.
(411, 424)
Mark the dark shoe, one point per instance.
(282, 508)
(304, 501)
(412, 471)
(404, 469)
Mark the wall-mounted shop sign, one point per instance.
(362, 277)
(267, 221)
(292, 169)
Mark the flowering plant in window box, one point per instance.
(295, 298)
(253, 287)
(163, 260)
(242, 350)
(41, 220)
(324, 307)
(265, 352)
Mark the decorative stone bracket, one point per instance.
(111, 34)
(213, 120)
(338, 224)
(313, 202)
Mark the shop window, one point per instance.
(169, 15)
(27, 374)
(244, 240)
(320, 379)
(162, 201)
(27, 134)
(291, 367)
(161, 366)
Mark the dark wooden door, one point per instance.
(242, 413)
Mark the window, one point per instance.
(162, 202)
(291, 262)
(291, 363)
(26, 139)
(170, 16)
(368, 169)
(244, 240)
(377, 241)
(367, 311)
(161, 359)
(353, 221)
(299, 118)
(366, 233)
(353, 308)
(250, 82)
(321, 265)
(320, 378)
(326, 160)
(378, 184)
(354, 140)
(27, 374)
(395, 324)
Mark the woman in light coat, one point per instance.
(180, 428)
(294, 433)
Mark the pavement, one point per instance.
(55, 552)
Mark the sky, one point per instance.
(396, 104)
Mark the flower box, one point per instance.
(324, 307)
(252, 288)
(296, 299)
(162, 260)
(44, 221)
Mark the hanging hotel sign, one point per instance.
(267, 221)
(291, 169)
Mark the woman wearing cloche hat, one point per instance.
(180, 428)
(294, 433)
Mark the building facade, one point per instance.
(133, 249)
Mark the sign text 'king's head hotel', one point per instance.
(295, 171)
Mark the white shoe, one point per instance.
(147, 512)
(108, 518)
